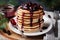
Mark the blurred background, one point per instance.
(50, 5)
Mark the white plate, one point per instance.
(46, 21)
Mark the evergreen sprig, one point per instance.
(13, 2)
(3, 21)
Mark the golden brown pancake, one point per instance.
(30, 17)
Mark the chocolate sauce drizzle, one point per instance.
(30, 7)
(31, 19)
(22, 22)
(39, 21)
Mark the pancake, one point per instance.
(30, 17)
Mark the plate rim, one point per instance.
(31, 34)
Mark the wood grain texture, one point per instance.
(15, 36)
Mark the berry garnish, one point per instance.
(4, 31)
(13, 21)
(22, 31)
(31, 6)
(8, 32)
(49, 16)
(43, 13)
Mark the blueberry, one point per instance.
(49, 16)
(4, 30)
(8, 32)
(31, 6)
(24, 7)
(22, 31)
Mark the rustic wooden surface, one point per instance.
(15, 36)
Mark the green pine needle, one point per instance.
(4, 25)
(3, 21)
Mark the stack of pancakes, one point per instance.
(30, 17)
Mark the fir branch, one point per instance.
(3, 21)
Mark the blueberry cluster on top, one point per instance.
(31, 6)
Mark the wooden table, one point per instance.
(15, 36)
